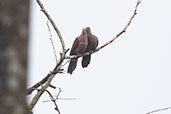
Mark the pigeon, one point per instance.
(92, 44)
(79, 47)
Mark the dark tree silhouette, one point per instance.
(13, 55)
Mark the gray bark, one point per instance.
(13, 55)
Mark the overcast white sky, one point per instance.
(130, 76)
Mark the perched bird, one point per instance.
(79, 46)
(92, 44)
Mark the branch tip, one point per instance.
(114, 38)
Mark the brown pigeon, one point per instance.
(92, 44)
(79, 46)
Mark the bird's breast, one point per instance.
(81, 47)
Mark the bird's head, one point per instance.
(84, 31)
(88, 29)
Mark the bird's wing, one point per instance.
(97, 41)
(74, 47)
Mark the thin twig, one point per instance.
(52, 86)
(58, 94)
(158, 110)
(54, 101)
(54, 50)
(53, 24)
(67, 99)
(64, 63)
(109, 42)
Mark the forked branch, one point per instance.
(46, 81)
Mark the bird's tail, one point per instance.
(72, 65)
(86, 61)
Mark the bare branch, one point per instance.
(58, 94)
(57, 97)
(52, 86)
(57, 69)
(39, 93)
(158, 110)
(53, 24)
(64, 64)
(54, 51)
(109, 42)
(46, 81)
(53, 100)
(31, 89)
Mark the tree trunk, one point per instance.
(13, 55)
